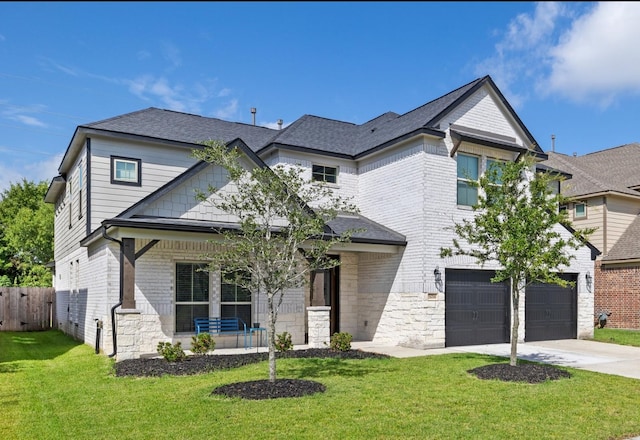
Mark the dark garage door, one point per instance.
(551, 311)
(476, 310)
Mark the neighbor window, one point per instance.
(580, 210)
(467, 174)
(235, 301)
(125, 171)
(320, 173)
(192, 295)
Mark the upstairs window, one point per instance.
(126, 171)
(320, 173)
(493, 164)
(580, 210)
(467, 175)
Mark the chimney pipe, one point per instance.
(253, 112)
(279, 124)
(553, 143)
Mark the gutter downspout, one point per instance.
(113, 309)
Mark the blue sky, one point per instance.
(569, 69)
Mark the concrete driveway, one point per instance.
(575, 353)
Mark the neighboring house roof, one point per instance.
(628, 245)
(613, 170)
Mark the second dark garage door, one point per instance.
(551, 311)
(476, 310)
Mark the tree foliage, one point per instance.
(515, 225)
(281, 235)
(26, 235)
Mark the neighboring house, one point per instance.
(604, 194)
(130, 235)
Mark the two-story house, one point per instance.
(130, 235)
(604, 193)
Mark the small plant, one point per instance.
(172, 353)
(202, 343)
(283, 342)
(341, 341)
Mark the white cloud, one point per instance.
(597, 58)
(273, 125)
(584, 52)
(519, 53)
(11, 173)
(172, 54)
(228, 111)
(29, 120)
(224, 92)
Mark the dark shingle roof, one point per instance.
(311, 133)
(183, 127)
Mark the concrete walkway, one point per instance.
(575, 353)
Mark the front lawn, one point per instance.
(617, 336)
(51, 387)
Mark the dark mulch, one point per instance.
(263, 389)
(206, 363)
(255, 390)
(523, 372)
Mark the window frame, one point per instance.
(182, 303)
(236, 303)
(575, 211)
(465, 179)
(322, 174)
(129, 182)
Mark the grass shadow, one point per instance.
(325, 367)
(32, 346)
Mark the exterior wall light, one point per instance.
(589, 280)
(437, 274)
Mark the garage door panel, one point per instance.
(551, 311)
(476, 310)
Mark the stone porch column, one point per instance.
(319, 328)
(129, 326)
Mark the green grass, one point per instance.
(52, 387)
(617, 336)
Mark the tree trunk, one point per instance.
(515, 286)
(271, 336)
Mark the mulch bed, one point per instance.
(263, 389)
(254, 390)
(523, 372)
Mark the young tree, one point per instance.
(514, 225)
(281, 235)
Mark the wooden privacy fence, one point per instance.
(27, 308)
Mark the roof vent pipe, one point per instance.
(553, 143)
(279, 124)
(253, 112)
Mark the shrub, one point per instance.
(341, 341)
(283, 342)
(172, 353)
(202, 343)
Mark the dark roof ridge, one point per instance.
(606, 150)
(324, 118)
(445, 95)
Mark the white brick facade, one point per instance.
(388, 295)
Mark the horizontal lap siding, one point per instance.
(159, 165)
